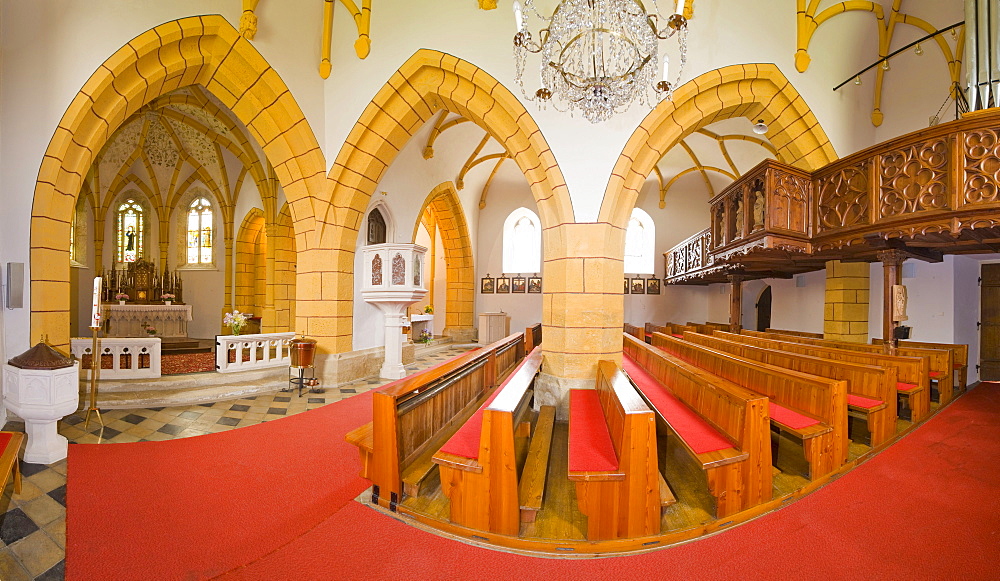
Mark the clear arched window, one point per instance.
(130, 227)
(199, 232)
(640, 238)
(522, 242)
(376, 227)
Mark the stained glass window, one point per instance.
(130, 226)
(199, 232)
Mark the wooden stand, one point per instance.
(95, 366)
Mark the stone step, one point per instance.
(185, 390)
(187, 381)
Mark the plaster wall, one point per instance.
(930, 291)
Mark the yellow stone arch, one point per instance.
(754, 91)
(251, 250)
(430, 81)
(446, 207)
(201, 50)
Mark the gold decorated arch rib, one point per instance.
(753, 91)
(202, 50)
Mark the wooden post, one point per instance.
(736, 303)
(892, 262)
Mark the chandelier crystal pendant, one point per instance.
(599, 56)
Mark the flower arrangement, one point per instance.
(236, 321)
(167, 297)
(150, 330)
(429, 310)
(121, 297)
(425, 337)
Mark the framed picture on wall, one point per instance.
(534, 284)
(517, 284)
(626, 285)
(652, 286)
(487, 285)
(638, 286)
(503, 284)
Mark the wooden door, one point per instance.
(764, 310)
(989, 332)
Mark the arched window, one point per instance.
(199, 232)
(522, 242)
(376, 227)
(640, 238)
(130, 227)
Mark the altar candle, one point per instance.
(95, 314)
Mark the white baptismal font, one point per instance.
(392, 278)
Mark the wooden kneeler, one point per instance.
(10, 442)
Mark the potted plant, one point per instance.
(429, 310)
(167, 298)
(122, 297)
(150, 330)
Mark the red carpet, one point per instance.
(273, 502)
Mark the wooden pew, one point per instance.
(959, 354)
(912, 373)
(940, 362)
(871, 390)
(481, 466)
(612, 457)
(722, 326)
(532, 337)
(722, 426)
(813, 409)
(795, 333)
(635, 331)
(413, 416)
(706, 328)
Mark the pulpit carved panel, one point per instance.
(843, 198)
(377, 271)
(789, 202)
(914, 179)
(398, 269)
(981, 149)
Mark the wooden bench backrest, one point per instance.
(865, 380)
(408, 413)
(796, 333)
(635, 331)
(908, 369)
(960, 352)
(532, 337)
(721, 326)
(738, 413)
(939, 360)
(821, 398)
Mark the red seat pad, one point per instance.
(465, 442)
(958, 366)
(4, 440)
(790, 418)
(590, 446)
(678, 336)
(696, 432)
(900, 386)
(936, 374)
(862, 402)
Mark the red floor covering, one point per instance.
(274, 502)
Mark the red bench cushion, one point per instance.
(958, 366)
(900, 386)
(590, 446)
(678, 335)
(790, 418)
(689, 426)
(4, 440)
(862, 402)
(465, 442)
(936, 374)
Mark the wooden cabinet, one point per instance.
(493, 327)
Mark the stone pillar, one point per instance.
(735, 303)
(846, 311)
(892, 264)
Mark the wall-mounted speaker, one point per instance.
(15, 285)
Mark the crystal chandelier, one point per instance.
(598, 56)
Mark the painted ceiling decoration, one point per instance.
(809, 18)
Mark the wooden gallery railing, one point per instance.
(413, 416)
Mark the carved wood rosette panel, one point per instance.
(914, 179)
(843, 198)
(790, 202)
(981, 152)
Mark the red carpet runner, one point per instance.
(274, 502)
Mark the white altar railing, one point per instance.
(131, 357)
(245, 352)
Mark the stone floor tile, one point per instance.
(47, 479)
(37, 552)
(10, 568)
(56, 573)
(43, 510)
(16, 525)
(57, 531)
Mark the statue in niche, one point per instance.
(720, 222)
(738, 231)
(758, 208)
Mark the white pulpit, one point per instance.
(392, 280)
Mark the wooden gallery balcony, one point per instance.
(927, 193)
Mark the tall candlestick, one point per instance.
(95, 314)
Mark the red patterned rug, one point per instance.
(187, 363)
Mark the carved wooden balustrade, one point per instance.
(927, 193)
(691, 258)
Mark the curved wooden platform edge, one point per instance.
(582, 548)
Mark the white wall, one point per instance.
(967, 307)
(930, 300)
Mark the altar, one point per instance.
(127, 320)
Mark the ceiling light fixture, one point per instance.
(598, 56)
(760, 128)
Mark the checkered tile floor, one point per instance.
(33, 525)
